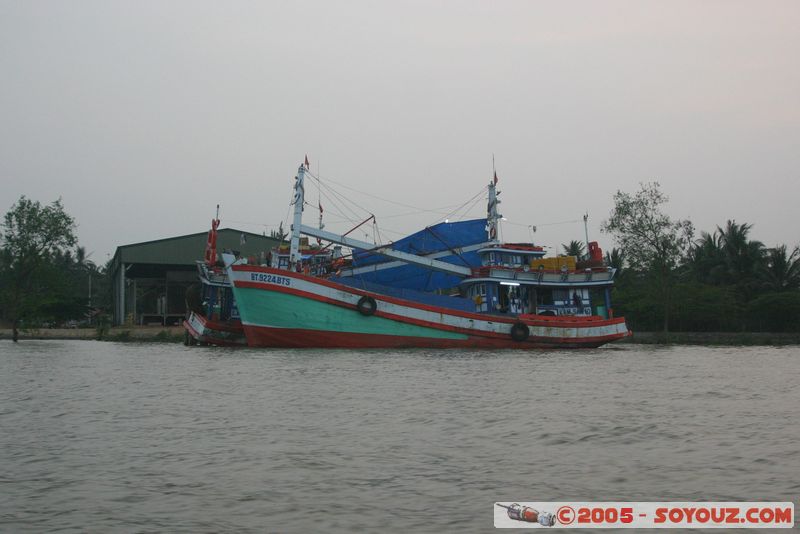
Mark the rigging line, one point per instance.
(336, 210)
(474, 198)
(339, 209)
(395, 232)
(343, 210)
(249, 223)
(543, 224)
(345, 220)
(381, 198)
(319, 193)
(353, 229)
(451, 249)
(466, 211)
(335, 220)
(344, 200)
(288, 210)
(416, 212)
(341, 197)
(376, 232)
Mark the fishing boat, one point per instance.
(511, 299)
(212, 315)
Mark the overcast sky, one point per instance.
(143, 115)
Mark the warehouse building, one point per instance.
(150, 279)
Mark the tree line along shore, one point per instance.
(713, 287)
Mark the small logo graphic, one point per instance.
(528, 514)
(565, 515)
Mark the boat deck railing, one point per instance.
(588, 275)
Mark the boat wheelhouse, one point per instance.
(517, 278)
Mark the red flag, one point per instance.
(495, 177)
(308, 166)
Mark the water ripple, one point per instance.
(150, 438)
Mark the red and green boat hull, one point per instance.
(285, 309)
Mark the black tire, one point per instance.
(366, 306)
(520, 331)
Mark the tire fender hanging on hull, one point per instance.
(520, 331)
(366, 306)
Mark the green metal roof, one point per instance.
(187, 249)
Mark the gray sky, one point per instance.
(143, 115)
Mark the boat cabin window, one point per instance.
(477, 292)
(477, 289)
(505, 258)
(561, 296)
(544, 297)
(563, 301)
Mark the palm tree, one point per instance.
(743, 257)
(706, 259)
(575, 248)
(781, 271)
(82, 259)
(616, 259)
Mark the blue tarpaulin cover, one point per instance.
(436, 238)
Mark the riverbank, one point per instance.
(175, 334)
(119, 333)
(715, 338)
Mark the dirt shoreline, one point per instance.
(119, 333)
(715, 338)
(175, 334)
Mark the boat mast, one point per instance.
(492, 215)
(299, 202)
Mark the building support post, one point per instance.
(166, 299)
(121, 289)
